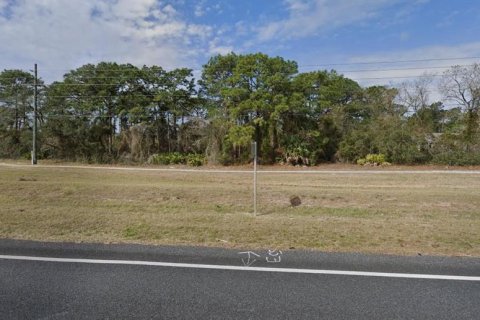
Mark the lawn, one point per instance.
(394, 213)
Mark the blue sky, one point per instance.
(61, 35)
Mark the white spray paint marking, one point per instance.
(250, 258)
(239, 268)
(272, 256)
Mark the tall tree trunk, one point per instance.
(472, 125)
(174, 131)
(273, 142)
(24, 114)
(16, 114)
(110, 136)
(168, 132)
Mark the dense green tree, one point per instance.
(106, 111)
(250, 90)
(119, 112)
(321, 107)
(89, 101)
(16, 107)
(384, 129)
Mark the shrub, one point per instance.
(372, 159)
(176, 158)
(457, 158)
(191, 159)
(159, 159)
(299, 155)
(452, 149)
(375, 158)
(362, 162)
(195, 160)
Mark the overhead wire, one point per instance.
(79, 72)
(300, 66)
(318, 65)
(76, 97)
(342, 72)
(394, 61)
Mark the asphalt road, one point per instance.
(230, 284)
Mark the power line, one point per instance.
(312, 65)
(344, 71)
(339, 71)
(401, 69)
(398, 77)
(300, 66)
(391, 61)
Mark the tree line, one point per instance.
(112, 112)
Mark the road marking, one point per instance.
(250, 171)
(240, 268)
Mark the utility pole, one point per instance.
(34, 142)
(254, 151)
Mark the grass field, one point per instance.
(426, 213)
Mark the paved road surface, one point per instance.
(116, 282)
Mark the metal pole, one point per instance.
(34, 143)
(255, 178)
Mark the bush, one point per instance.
(195, 160)
(176, 158)
(192, 159)
(361, 162)
(457, 158)
(299, 155)
(167, 158)
(375, 158)
(372, 159)
(158, 159)
(452, 149)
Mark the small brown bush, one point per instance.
(295, 201)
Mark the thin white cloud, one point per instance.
(448, 20)
(223, 50)
(3, 4)
(217, 8)
(393, 68)
(241, 28)
(310, 17)
(199, 9)
(60, 35)
(431, 53)
(217, 47)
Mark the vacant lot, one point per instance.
(397, 213)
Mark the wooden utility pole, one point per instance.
(34, 142)
(254, 151)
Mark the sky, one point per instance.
(370, 41)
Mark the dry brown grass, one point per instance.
(432, 213)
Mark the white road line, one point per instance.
(240, 268)
(475, 172)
